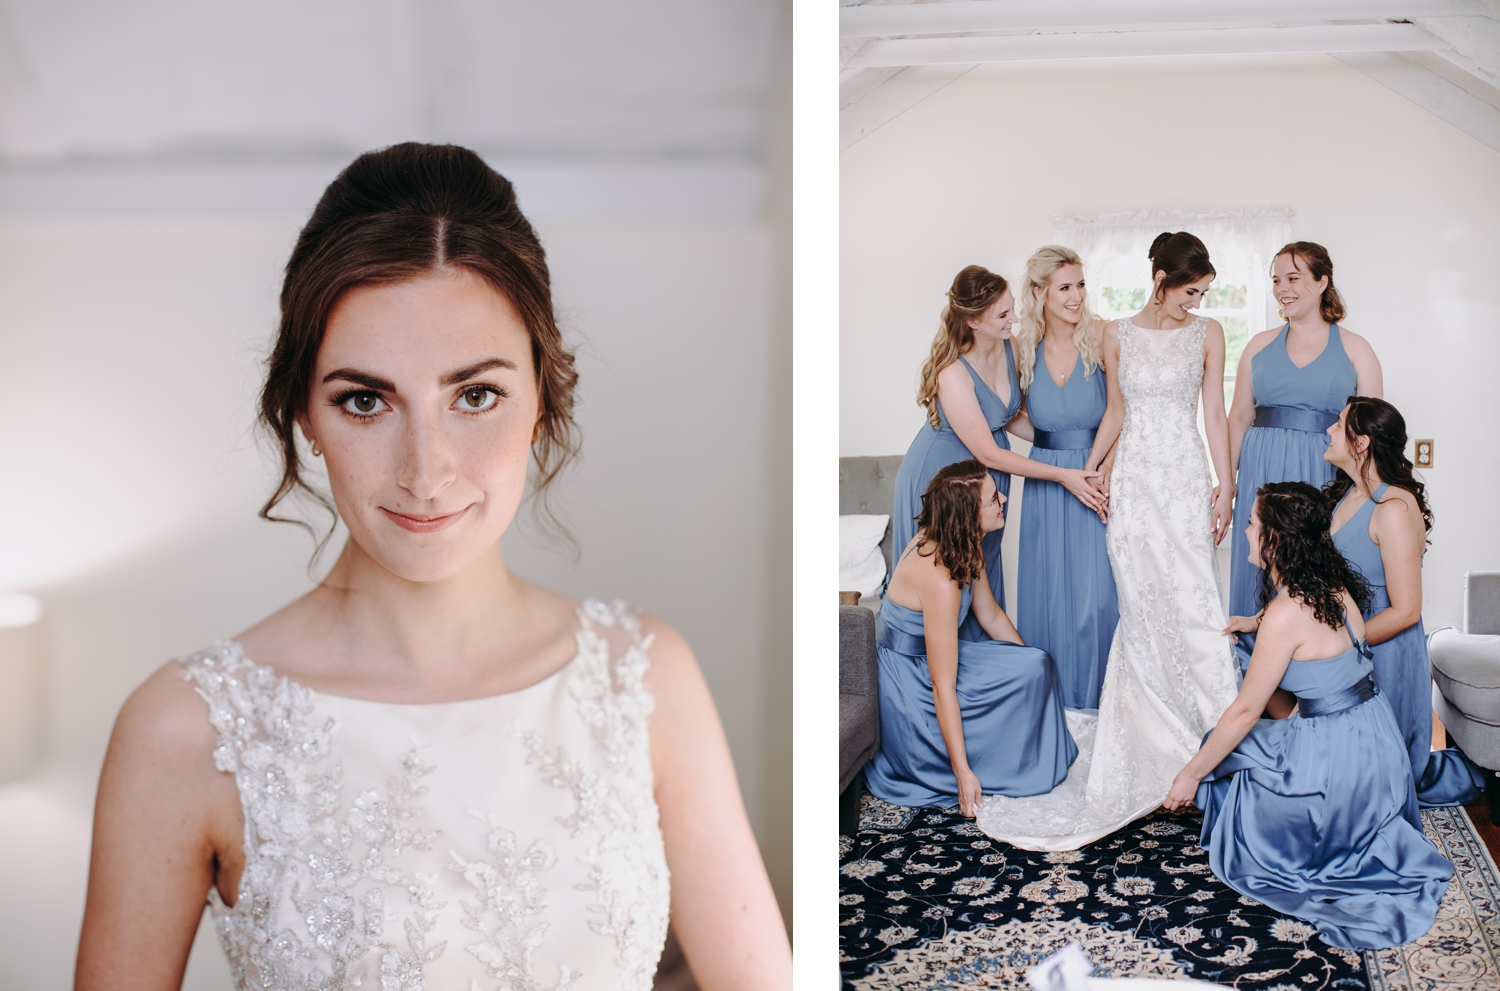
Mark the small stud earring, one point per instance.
(316, 452)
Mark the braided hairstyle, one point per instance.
(1296, 546)
(974, 290)
(1385, 427)
(948, 525)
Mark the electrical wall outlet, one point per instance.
(1422, 454)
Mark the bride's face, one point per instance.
(991, 505)
(1064, 294)
(1179, 300)
(998, 318)
(424, 403)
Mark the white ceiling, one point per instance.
(1443, 55)
(670, 89)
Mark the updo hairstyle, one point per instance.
(1313, 259)
(974, 290)
(1182, 257)
(399, 214)
(948, 525)
(1296, 546)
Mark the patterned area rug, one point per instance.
(928, 901)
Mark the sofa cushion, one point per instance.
(1466, 669)
(858, 668)
(861, 564)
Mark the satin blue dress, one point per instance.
(1312, 814)
(1066, 602)
(1404, 673)
(934, 449)
(1014, 729)
(1294, 408)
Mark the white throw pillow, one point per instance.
(861, 565)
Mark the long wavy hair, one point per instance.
(974, 290)
(1313, 259)
(1384, 425)
(1298, 552)
(1031, 322)
(948, 525)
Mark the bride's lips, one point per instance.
(423, 524)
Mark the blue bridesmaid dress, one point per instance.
(1294, 407)
(932, 450)
(1014, 729)
(1313, 814)
(1066, 602)
(1443, 777)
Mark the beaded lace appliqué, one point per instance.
(361, 921)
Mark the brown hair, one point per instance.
(1313, 259)
(974, 290)
(949, 522)
(1386, 428)
(398, 214)
(1181, 257)
(1299, 553)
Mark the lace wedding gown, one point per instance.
(508, 843)
(1170, 673)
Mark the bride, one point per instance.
(1170, 673)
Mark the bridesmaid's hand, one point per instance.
(1243, 624)
(1084, 485)
(1184, 789)
(970, 797)
(1223, 514)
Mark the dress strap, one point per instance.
(1379, 491)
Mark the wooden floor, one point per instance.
(1479, 814)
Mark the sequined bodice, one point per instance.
(1161, 371)
(507, 843)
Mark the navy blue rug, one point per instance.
(928, 901)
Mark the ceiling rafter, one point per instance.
(1444, 55)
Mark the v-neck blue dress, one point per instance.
(1404, 673)
(1015, 731)
(934, 449)
(1294, 408)
(1065, 602)
(1314, 814)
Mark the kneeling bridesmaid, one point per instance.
(960, 718)
(1311, 814)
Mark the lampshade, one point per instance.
(20, 683)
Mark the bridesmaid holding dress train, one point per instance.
(971, 391)
(1312, 813)
(1067, 604)
(1289, 387)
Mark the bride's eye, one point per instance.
(361, 403)
(478, 398)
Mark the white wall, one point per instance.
(1407, 205)
(129, 361)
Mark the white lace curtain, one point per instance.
(1241, 243)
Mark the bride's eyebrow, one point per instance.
(359, 378)
(469, 371)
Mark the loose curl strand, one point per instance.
(1031, 314)
(975, 289)
(1298, 552)
(948, 525)
(1385, 427)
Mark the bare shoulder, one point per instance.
(1353, 343)
(164, 724)
(954, 376)
(1283, 615)
(1397, 504)
(1111, 332)
(1214, 331)
(1259, 341)
(668, 652)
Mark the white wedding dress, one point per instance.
(1171, 672)
(508, 843)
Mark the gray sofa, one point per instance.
(866, 485)
(1466, 675)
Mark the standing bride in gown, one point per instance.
(1170, 673)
